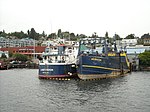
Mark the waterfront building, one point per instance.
(30, 51)
(54, 42)
(129, 42)
(16, 42)
(146, 41)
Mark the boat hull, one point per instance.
(101, 76)
(96, 67)
(57, 71)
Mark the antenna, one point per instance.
(51, 25)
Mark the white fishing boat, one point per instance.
(59, 60)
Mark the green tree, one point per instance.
(94, 35)
(59, 33)
(66, 35)
(33, 34)
(82, 36)
(131, 36)
(28, 33)
(43, 34)
(3, 34)
(117, 37)
(73, 37)
(106, 35)
(20, 57)
(145, 36)
(49, 36)
(144, 58)
(52, 36)
(10, 54)
(18, 35)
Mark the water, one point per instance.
(22, 91)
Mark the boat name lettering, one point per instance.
(46, 69)
(96, 59)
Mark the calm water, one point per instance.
(22, 91)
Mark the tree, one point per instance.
(73, 37)
(20, 57)
(33, 34)
(28, 32)
(3, 34)
(43, 34)
(106, 35)
(18, 35)
(145, 36)
(131, 36)
(116, 37)
(66, 35)
(10, 54)
(144, 58)
(52, 36)
(59, 33)
(94, 35)
(82, 36)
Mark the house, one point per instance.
(4, 42)
(54, 42)
(146, 39)
(129, 42)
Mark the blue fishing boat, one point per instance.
(58, 61)
(93, 64)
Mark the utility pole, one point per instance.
(34, 49)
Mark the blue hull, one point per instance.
(57, 71)
(93, 67)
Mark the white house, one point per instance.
(129, 42)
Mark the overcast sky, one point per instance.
(79, 16)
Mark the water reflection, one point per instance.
(79, 94)
(100, 85)
(21, 89)
(97, 85)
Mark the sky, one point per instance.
(122, 17)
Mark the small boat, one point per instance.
(58, 61)
(93, 64)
